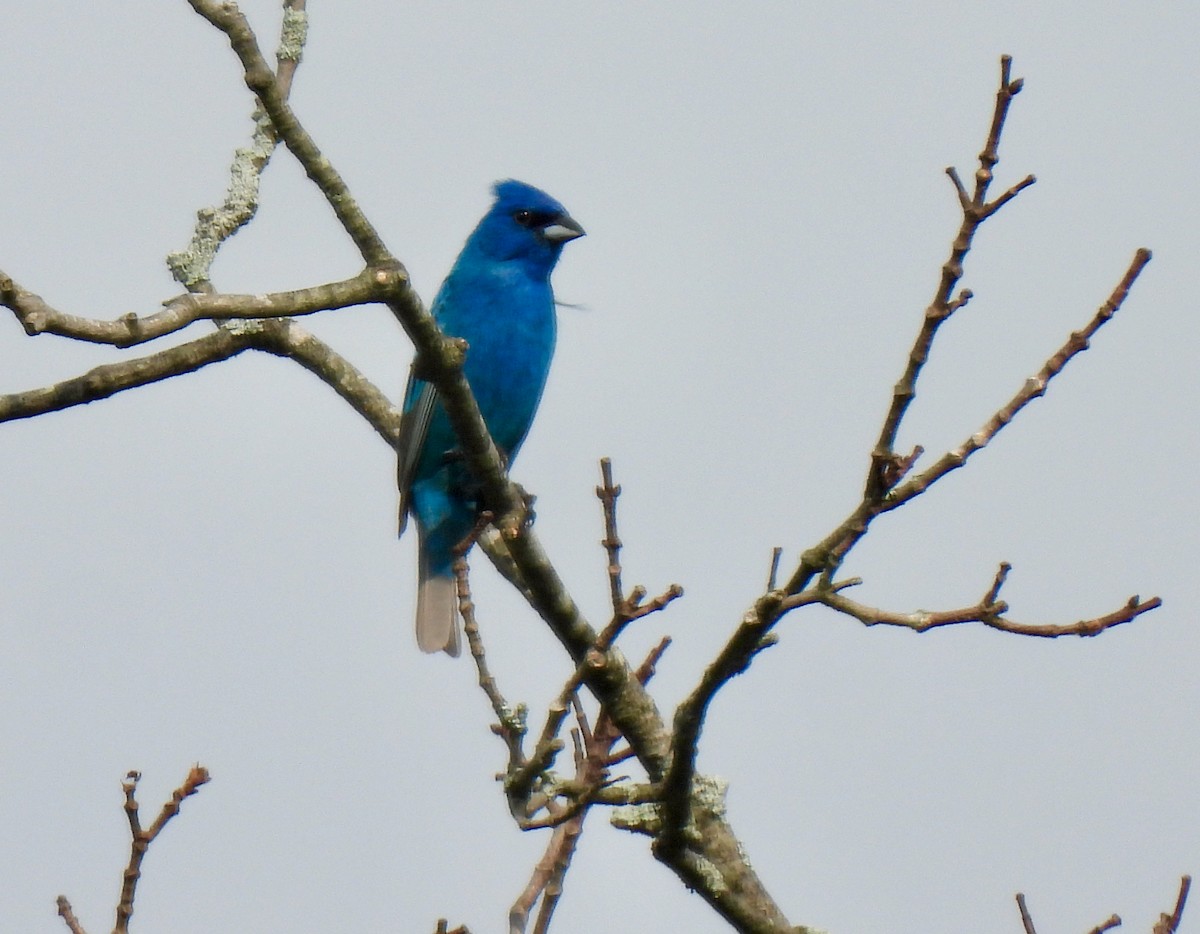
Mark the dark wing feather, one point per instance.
(414, 426)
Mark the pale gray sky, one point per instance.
(207, 570)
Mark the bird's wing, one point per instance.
(414, 426)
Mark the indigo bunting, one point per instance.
(497, 298)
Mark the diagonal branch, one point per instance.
(67, 913)
(110, 378)
(1026, 919)
(751, 637)
(1033, 388)
(286, 338)
(1169, 923)
(191, 265)
(441, 358)
(261, 80)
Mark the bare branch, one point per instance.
(592, 759)
(1026, 920)
(1033, 388)
(511, 725)
(608, 493)
(215, 225)
(68, 915)
(773, 573)
(546, 881)
(887, 468)
(748, 640)
(989, 614)
(1169, 923)
(38, 317)
(678, 822)
(625, 609)
(281, 337)
(261, 80)
(975, 212)
(140, 839)
(994, 206)
(110, 378)
(1009, 88)
(286, 338)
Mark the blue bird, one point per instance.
(498, 299)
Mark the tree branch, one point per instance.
(191, 265)
(140, 840)
(67, 913)
(975, 211)
(261, 80)
(1033, 388)
(110, 378)
(1169, 923)
(36, 316)
(885, 488)
(988, 611)
(286, 338)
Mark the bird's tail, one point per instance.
(437, 607)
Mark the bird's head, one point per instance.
(525, 224)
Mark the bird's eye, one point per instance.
(531, 218)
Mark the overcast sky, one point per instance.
(207, 569)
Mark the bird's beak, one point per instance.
(564, 228)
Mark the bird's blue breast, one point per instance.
(507, 319)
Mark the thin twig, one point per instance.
(588, 788)
(68, 915)
(887, 468)
(987, 613)
(1033, 388)
(608, 493)
(1026, 920)
(1169, 923)
(773, 573)
(510, 721)
(140, 839)
(626, 609)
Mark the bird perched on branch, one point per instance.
(498, 299)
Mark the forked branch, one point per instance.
(140, 840)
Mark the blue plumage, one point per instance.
(498, 299)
